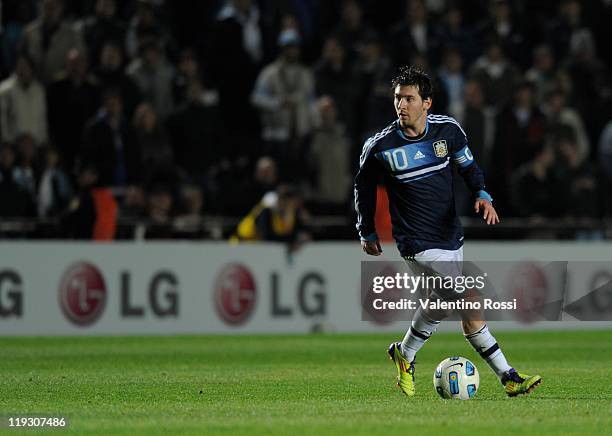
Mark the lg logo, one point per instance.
(82, 293)
(11, 294)
(235, 294)
(529, 285)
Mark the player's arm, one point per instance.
(474, 179)
(365, 202)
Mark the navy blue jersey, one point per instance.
(417, 173)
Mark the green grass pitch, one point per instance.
(317, 384)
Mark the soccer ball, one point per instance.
(456, 378)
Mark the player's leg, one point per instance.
(480, 338)
(478, 335)
(424, 323)
(403, 353)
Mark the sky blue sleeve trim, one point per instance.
(484, 195)
(370, 238)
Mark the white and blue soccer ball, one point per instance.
(456, 378)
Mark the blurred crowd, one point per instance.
(168, 111)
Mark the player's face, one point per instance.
(411, 109)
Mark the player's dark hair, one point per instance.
(411, 76)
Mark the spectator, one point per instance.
(592, 91)
(542, 71)
(191, 200)
(329, 157)
(352, 31)
(189, 216)
(506, 28)
(195, 135)
(153, 75)
(576, 178)
(558, 113)
(519, 137)
(497, 75)
(556, 183)
(7, 164)
(238, 30)
(451, 76)
(149, 136)
(55, 189)
(72, 100)
(16, 201)
(102, 27)
(242, 17)
(26, 172)
(284, 93)
(106, 144)
(307, 16)
(479, 120)
(564, 30)
(110, 75)
(521, 126)
(533, 186)
(160, 212)
(49, 38)
(22, 104)
(452, 33)
(265, 178)
(134, 205)
(373, 69)
(414, 34)
(93, 213)
(145, 26)
(335, 77)
(13, 26)
(278, 217)
(189, 70)
(249, 192)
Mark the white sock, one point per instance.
(416, 336)
(484, 342)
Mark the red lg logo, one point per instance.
(369, 311)
(235, 294)
(82, 293)
(530, 288)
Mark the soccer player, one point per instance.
(413, 155)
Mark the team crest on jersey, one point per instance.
(440, 148)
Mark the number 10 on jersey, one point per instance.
(397, 159)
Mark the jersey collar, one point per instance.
(400, 132)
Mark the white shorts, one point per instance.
(438, 262)
(439, 255)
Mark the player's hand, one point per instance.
(371, 247)
(489, 214)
